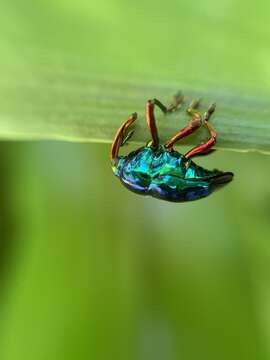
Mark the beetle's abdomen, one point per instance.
(167, 175)
(176, 189)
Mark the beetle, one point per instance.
(159, 170)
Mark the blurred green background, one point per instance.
(89, 270)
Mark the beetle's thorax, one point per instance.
(158, 161)
(153, 161)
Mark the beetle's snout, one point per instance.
(221, 179)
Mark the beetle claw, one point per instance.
(127, 137)
(177, 102)
(209, 112)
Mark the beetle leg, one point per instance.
(178, 100)
(121, 136)
(205, 148)
(193, 125)
(150, 118)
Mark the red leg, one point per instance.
(120, 136)
(193, 125)
(150, 118)
(205, 148)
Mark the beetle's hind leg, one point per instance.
(194, 124)
(121, 137)
(206, 147)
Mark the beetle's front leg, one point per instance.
(121, 136)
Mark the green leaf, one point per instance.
(75, 70)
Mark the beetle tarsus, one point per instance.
(193, 106)
(209, 112)
(177, 102)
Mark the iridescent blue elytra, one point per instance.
(160, 171)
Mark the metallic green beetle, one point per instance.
(160, 171)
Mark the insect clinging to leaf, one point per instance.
(158, 169)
